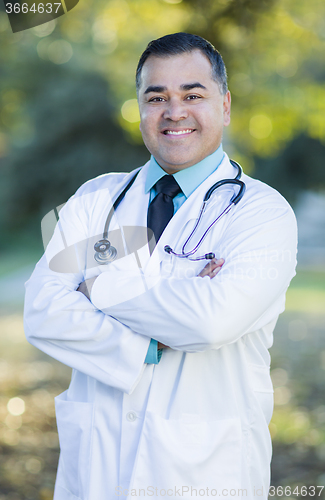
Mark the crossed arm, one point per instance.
(211, 269)
(194, 315)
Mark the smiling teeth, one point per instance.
(174, 132)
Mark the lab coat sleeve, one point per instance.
(195, 314)
(63, 323)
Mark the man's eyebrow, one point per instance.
(155, 88)
(190, 86)
(186, 86)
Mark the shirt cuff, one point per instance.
(153, 354)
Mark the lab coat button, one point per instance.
(131, 416)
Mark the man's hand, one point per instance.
(86, 286)
(212, 268)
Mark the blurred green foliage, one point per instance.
(67, 96)
(76, 137)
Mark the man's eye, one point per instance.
(192, 96)
(156, 99)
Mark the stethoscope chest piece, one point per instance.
(104, 252)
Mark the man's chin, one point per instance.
(175, 164)
(172, 169)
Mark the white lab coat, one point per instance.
(196, 424)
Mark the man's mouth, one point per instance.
(186, 131)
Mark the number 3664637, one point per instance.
(302, 491)
(40, 8)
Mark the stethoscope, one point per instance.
(105, 252)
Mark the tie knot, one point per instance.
(168, 185)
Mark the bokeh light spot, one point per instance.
(11, 437)
(282, 396)
(130, 111)
(33, 465)
(13, 422)
(105, 39)
(77, 30)
(279, 377)
(16, 406)
(42, 48)
(60, 52)
(260, 126)
(45, 29)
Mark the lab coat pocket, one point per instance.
(188, 452)
(74, 422)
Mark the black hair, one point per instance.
(178, 43)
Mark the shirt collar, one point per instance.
(189, 178)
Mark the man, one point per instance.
(195, 422)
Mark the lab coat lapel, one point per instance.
(189, 211)
(133, 209)
(131, 217)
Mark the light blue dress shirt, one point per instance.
(188, 179)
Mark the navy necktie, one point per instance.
(161, 208)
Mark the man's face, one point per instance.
(182, 109)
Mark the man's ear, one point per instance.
(226, 109)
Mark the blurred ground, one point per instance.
(29, 381)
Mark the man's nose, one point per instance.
(176, 110)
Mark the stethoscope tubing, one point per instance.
(233, 202)
(185, 255)
(109, 254)
(116, 204)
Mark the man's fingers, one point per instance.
(212, 268)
